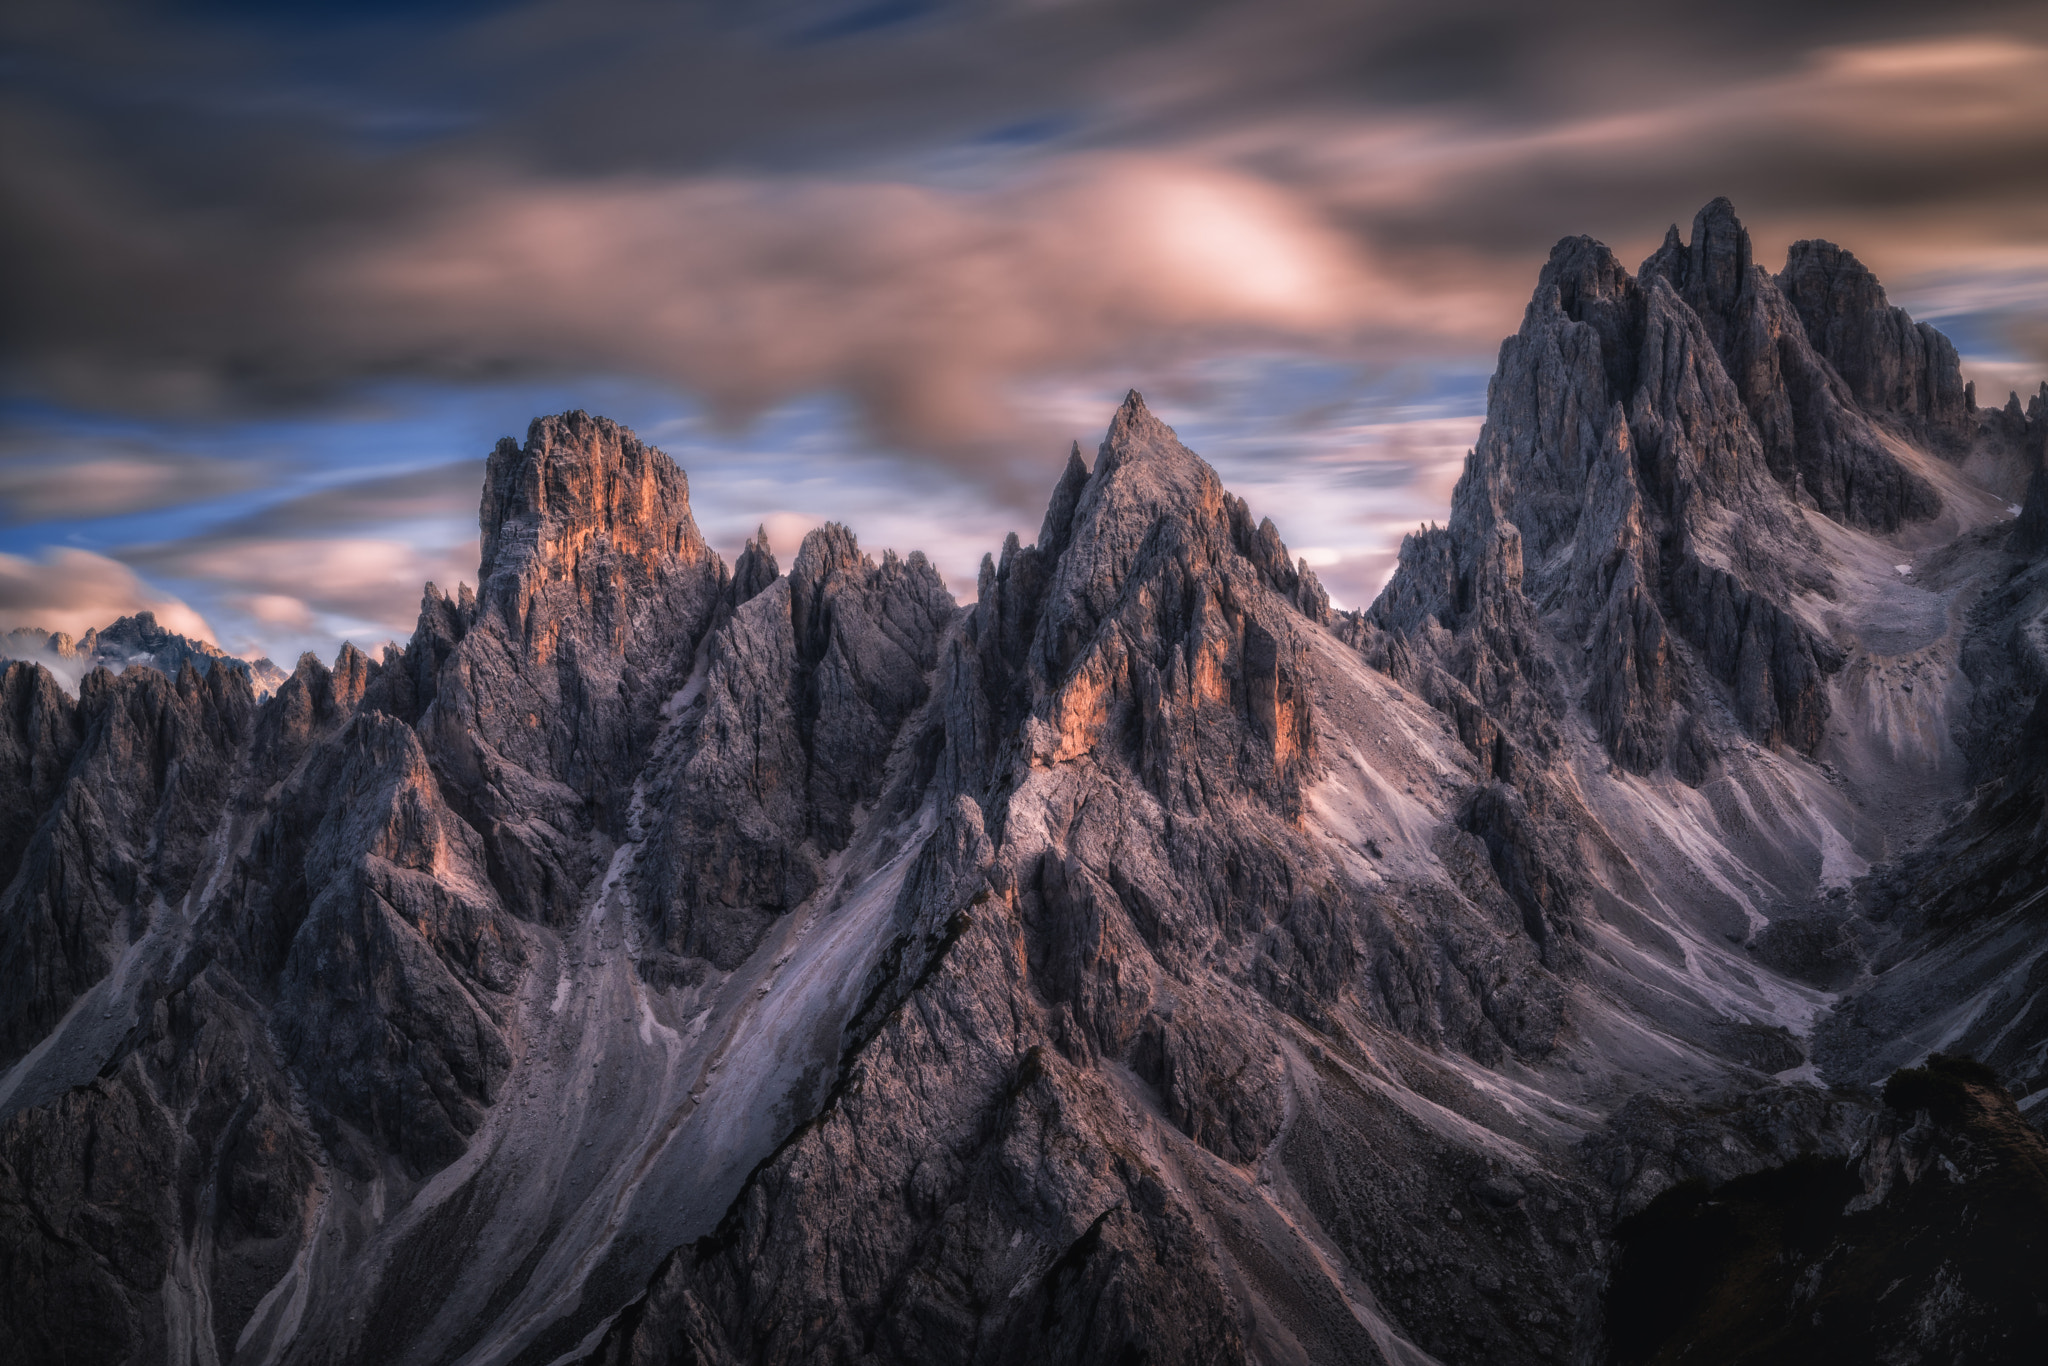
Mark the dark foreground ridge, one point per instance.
(659, 960)
(1931, 1242)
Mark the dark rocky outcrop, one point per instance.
(1905, 371)
(124, 836)
(1121, 886)
(2030, 530)
(1927, 1242)
(803, 694)
(41, 734)
(1815, 426)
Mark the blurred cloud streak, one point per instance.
(86, 480)
(72, 590)
(364, 586)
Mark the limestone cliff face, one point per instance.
(1897, 368)
(282, 902)
(308, 929)
(1820, 361)
(1130, 989)
(148, 766)
(2030, 531)
(803, 695)
(1144, 750)
(594, 588)
(651, 961)
(1649, 445)
(41, 736)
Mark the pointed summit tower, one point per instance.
(1650, 443)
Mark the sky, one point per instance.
(278, 275)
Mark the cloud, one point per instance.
(71, 590)
(340, 584)
(1915, 154)
(753, 214)
(45, 478)
(920, 303)
(447, 492)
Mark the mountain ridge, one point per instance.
(742, 965)
(136, 639)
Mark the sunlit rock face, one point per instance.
(654, 961)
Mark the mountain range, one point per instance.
(1625, 940)
(137, 639)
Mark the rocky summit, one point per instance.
(129, 641)
(1626, 940)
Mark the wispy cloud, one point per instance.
(67, 589)
(45, 480)
(326, 587)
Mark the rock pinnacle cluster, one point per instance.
(659, 960)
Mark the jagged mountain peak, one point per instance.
(2010, 443)
(142, 633)
(585, 520)
(1137, 963)
(131, 641)
(1649, 445)
(1828, 269)
(1719, 255)
(1134, 425)
(1142, 472)
(1905, 374)
(577, 482)
(595, 591)
(1138, 439)
(1147, 500)
(825, 549)
(1059, 509)
(1581, 268)
(755, 568)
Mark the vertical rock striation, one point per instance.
(304, 918)
(803, 695)
(151, 766)
(1898, 369)
(594, 588)
(1123, 914)
(1649, 443)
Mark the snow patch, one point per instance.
(1840, 864)
(1806, 1074)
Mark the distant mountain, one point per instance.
(127, 642)
(661, 961)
